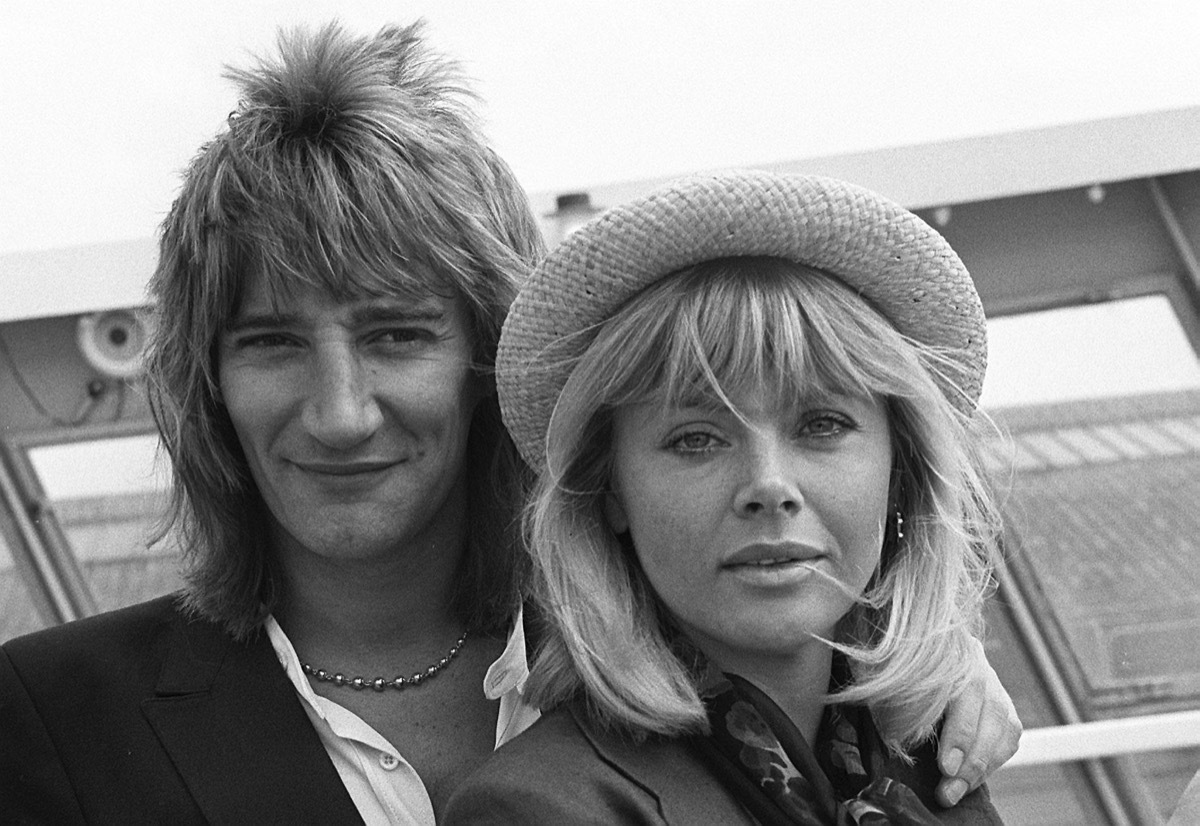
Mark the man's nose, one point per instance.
(769, 484)
(342, 410)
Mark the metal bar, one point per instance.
(1108, 738)
(1107, 795)
(39, 557)
(1179, 238)
(63, 555)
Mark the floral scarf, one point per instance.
(766, 763)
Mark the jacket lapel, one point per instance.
(230, 721)
(686, 791)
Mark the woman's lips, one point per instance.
(763, 554)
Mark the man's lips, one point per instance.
(355, 468)
(773, 553)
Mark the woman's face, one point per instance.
(739, 525)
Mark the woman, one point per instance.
(758, 524)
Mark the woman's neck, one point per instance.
(797, 683)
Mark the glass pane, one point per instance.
(1166, 775)
(109, 495)
(1116, 348)
(101, 467)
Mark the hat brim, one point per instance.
(900, 264)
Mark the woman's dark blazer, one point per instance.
(564, 770)
(144, 716)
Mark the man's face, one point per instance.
(353, 417)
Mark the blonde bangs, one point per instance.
(722, 328)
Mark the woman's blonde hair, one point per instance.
(720, 328)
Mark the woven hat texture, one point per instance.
(900, 264)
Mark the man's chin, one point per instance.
(369, 530)
(336, 533)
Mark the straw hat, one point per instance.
(900, 264)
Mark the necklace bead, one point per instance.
(383, 683)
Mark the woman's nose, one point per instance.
(770, 486)
(342, 410)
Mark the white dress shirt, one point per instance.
(383, 785)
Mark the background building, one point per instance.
(1093, 292)
(1079, 221)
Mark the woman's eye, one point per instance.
(826, 425)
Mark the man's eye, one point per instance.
(403, 335)
(694, 442)
(263, 340)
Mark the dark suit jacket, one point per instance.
(564, 771)
(142, 716)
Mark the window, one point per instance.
(96, 504)
(1126, 347)
(1102, 402)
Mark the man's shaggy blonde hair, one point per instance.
(352, 165)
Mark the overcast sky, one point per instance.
(105, 102)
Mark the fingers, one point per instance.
(980, 733)
(961, 719)
(958, 738)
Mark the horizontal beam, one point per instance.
(77, 279)
(1108, 738)
(985, 167)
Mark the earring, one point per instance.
(899, 525)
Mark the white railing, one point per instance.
(1108, 738)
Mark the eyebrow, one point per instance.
(374, 313)
(368, 314)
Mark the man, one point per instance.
(332, 282)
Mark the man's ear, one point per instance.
(614, 511)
